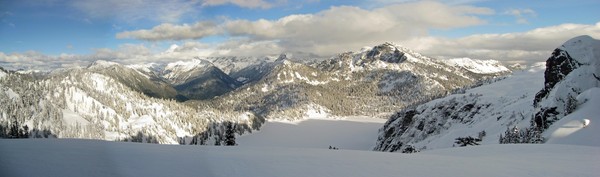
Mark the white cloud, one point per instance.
(244, 47)
(167, 31)
(453, 2)
(530, 46)
(242, 3)
(523, 47)
(521, 15)
(330, 31)
(129, 11)
(341, 28)
(35, 60)
(140, 53)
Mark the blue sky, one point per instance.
(61, 31)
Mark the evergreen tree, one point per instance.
(25, 132)
(229, 134)
(511, 136)
(571, 105)
(467, 141)
(481, 134)
(217, 141)
(2, 131)
(410, 149)
(14, 130)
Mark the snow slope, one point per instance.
(571, 74)
(570, 130)
(64, 157)
(492, 107)
(355, 133)
(180, 71)
(478, 66)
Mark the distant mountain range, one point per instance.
(187, 101)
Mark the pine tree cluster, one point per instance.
(467, 141)
(14, 131)
(515, 135)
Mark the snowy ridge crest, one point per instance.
(102, 64)
(478, 66)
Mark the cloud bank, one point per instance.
(326, 33)
(167, 31)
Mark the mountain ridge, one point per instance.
(111, 101)
(494, 110)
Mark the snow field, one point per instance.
(355, 133)
(68, 157)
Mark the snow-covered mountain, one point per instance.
(149, 85)
(233, 64)
(372, 82)
(110, 101)
(487, 112)
(198, 79)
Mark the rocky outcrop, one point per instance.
(559, 65)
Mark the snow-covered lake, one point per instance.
(354, 133)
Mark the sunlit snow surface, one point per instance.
(63, 157)
(356, 133)
(570, 129)
(478, 66)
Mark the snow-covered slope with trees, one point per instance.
(110, 102)
(572, 128)
(513, 106)
(490, 108)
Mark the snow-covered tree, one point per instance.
(229, 134)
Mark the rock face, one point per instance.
(386, 52)
(572, 69)
(559, 65)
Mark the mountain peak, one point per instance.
(283, 56)
(187, 65)
(581, 47)
(102, 64)
(387, 52)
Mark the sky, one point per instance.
(47, 34)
